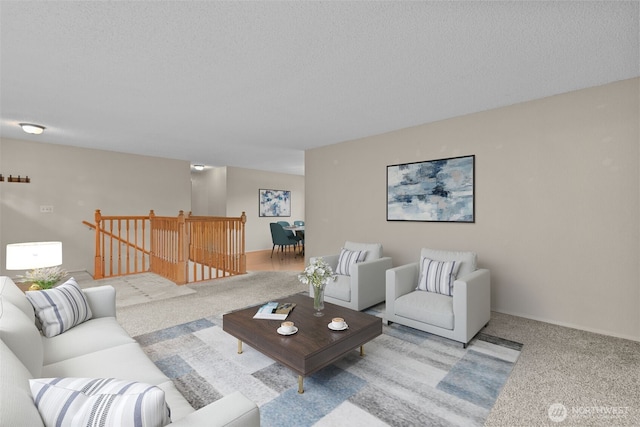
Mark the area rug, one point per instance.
(407, 377)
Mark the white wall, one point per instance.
(76, 182)
(229, 191)
(557, 203)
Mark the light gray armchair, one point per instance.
(364, 286)
(458, 317)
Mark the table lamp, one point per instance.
(42, 258)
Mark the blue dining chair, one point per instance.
(290, 233)
(280, 238)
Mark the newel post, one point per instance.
(98, 272)
(152, 241)
(183, 243)
(243, 254)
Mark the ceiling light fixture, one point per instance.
(198, 167)
(31, 128)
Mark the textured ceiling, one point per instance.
(254, 84)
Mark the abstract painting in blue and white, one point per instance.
(435, 190)
(275, 203)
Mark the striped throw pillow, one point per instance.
(96, 402)
(61, 308)
(438, 276)
(347, 258)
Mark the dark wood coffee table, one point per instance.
(314, 346)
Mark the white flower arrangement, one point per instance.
(317, 273)
(44, 277)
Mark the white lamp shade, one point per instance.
(30, 255)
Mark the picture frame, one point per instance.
(274, 203)
(441, 190)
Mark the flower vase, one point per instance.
(318, 300)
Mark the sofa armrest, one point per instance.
(401, 280)
(472, 301)
(232, 410)
(102, 300)
(370, 279)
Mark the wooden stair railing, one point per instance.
(216, 243)
(121, 245)
(182, 249)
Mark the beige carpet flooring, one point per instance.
(136, 288)
(564, 377)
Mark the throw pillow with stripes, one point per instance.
(347, 258)
(438, 276)
(61, 308)
(101, 402)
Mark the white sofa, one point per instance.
(97, 348)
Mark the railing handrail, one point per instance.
(121, 240)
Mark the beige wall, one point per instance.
(76, 182)
(557, 203)
(209, 192)
(229, 191)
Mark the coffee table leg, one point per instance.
(361, 350)
(239, 347)
(300, 384)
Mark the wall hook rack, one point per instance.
(19, 178)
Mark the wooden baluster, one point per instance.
(98, 270)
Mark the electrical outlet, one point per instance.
(46, 209)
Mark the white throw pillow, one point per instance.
(347, 258)
(61, 308)
(89, 402)
(438, 276)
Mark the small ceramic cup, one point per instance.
(337, 323)
(286, 327)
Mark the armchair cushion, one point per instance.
(438, 276)
(347, 258)
(427, 307)
(60, 308)
(374, 250)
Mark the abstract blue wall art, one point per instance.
(436, 190)
(275, 202)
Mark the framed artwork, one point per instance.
(440, 190)
(274, 202)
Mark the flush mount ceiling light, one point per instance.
(31, 128)
(198, 167)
